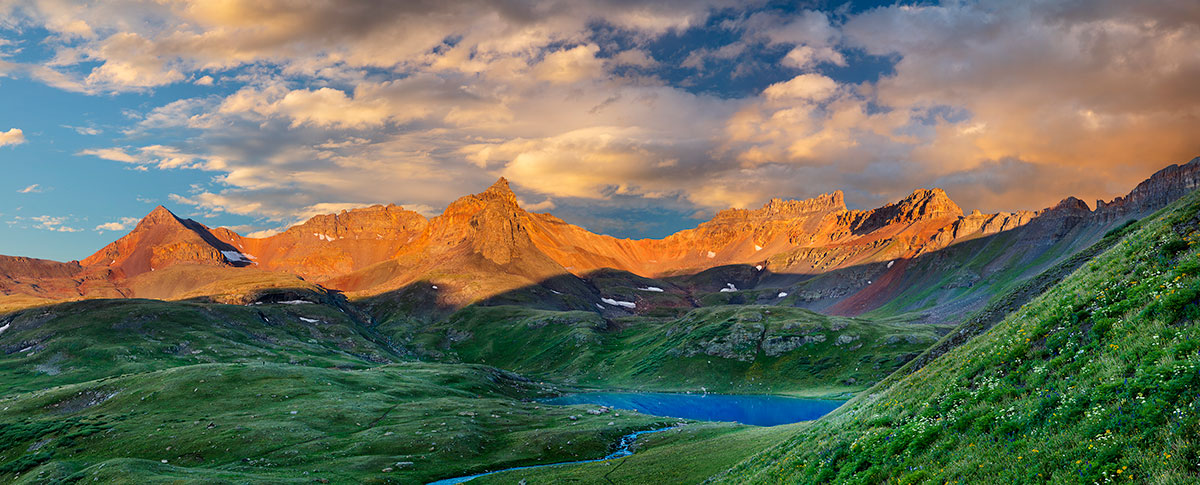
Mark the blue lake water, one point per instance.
(757, 410)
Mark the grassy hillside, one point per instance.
(274, 423)
(1096, 380)
(732, 348)
(81, 341)
(687, 454)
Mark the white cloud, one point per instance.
(160, 156)
(813, 87)
(337, 105)
(13, 136)
(122, 224)
(84, 130)
(52, 223)
(32, 189)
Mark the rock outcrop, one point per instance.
(1155, 192)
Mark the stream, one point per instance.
(622, 451)
(757, 410)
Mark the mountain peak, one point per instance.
(833, 201)
(158, 217)
(500, 190)
(925, 203)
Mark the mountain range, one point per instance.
(485, 246)
(376, 345)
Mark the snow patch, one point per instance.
(599, 306)
(868, 282)
(236, 257)
(651, 288)
(559, 293)
(712, 254)
(626, 304)
(5, 327)
(295, 302)
(728, 288)
(782, 294)
(759, 267)
(890, 263)
(435, 287)
(757, 247)
(324, 237)
(309, 320)
(26, 349)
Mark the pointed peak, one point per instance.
(1071, 204)
(501, 184)
(925, 203)
(159, 215)
(500, 190)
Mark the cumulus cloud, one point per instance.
(1008, 106)
(811, 87)
(13, 136)
(53, 223)
(122, 224)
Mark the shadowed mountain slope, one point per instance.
(827, 257)
(1093, 381)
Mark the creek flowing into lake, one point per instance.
(757, 410)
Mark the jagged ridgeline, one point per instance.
(1095, 381)
(921, 253)
(378, 344)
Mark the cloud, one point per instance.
(84, 130)
(160, 156)
(32, 189)
(417, 103)
(542, 206)
(53, 223)
(120, 225)
(102, 50)
(1105, 86)
(811, 87)
(13, 136)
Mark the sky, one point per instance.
(635, 119)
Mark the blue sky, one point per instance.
(635, 119)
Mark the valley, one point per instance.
(379, 346)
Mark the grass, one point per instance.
(86, 340)
(1095, 381)
(732, 348)
(688, 454)
(272, 423)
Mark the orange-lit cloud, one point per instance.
(1007, 105)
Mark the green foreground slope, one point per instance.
(274, 423)
(1097, 380)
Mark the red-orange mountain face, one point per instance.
(485, 244)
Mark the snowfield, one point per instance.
(626, 304)
(236, 257)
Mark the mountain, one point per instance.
(485, 246)
(1093, 381)
(1062, 341)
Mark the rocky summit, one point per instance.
(485, 245)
